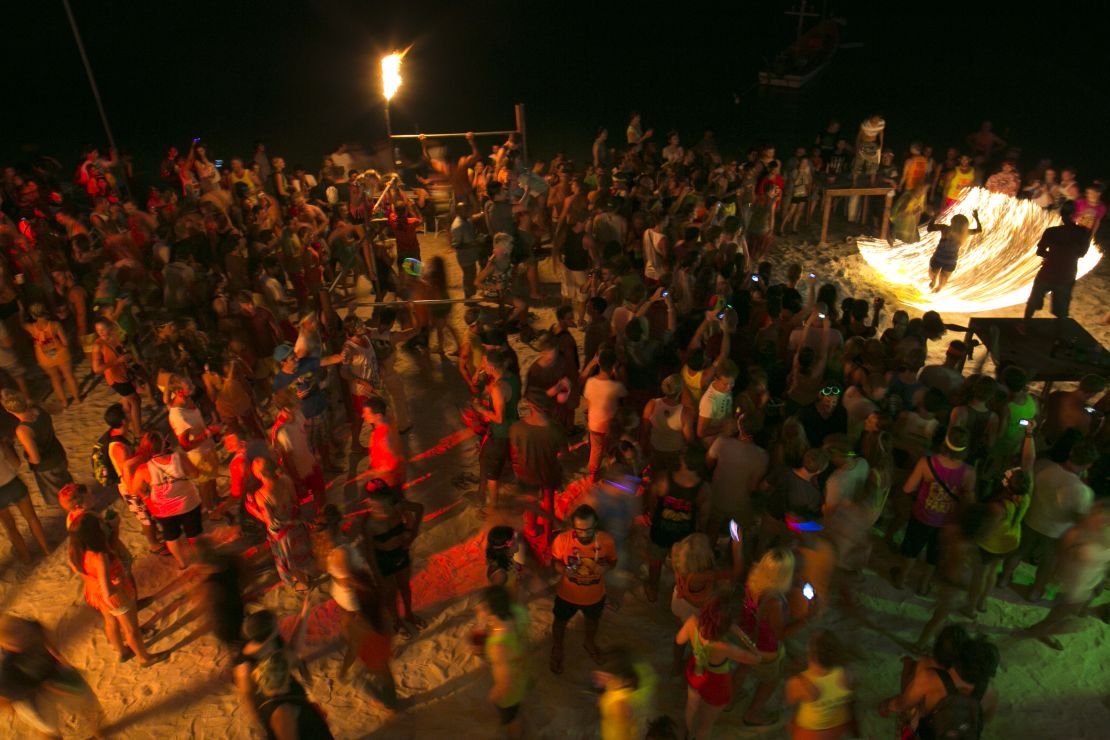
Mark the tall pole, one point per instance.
(520, 127)
(89, 72)
(393, 150)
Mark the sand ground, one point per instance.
(1043, 693)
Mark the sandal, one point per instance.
(556, 664)
(156, 658)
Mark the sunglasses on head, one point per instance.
(830, 390)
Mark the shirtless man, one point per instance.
(869, 144)
(970, 674)
(456, 174)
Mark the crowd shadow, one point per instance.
(175, 701)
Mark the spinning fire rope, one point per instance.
(996, 268)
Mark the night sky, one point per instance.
(303, 75)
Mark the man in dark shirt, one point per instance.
(796, 492)
(1061, 247)
(824, 416)
(535, 444)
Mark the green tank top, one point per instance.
(508, 414)
(701, 657)
(1009, 442)
(515, 642)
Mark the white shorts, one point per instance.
(573, 285)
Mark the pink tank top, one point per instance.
(936, 506)
(761, 631)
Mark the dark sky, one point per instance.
(303, 76)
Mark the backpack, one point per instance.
(958, 716)
(103, 471)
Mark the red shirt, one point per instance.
(768, 180)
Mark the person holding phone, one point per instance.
(581, 556)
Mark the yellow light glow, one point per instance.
(996, 268)
(391, 74)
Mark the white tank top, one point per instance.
(666, 427)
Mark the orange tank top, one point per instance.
(113, 373)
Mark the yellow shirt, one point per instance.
(958, 182)
(831, 708)
(615, 726)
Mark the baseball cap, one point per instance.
(282, 352)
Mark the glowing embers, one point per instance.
(996, 268)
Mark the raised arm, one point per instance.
(978, 225)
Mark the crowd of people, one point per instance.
(747, 426)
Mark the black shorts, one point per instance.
(564, 610)
(508, 714)
(493, 457)
(987, 557)
(172, 526)
(392, 561)
(942, 265)
(124, 389)
(920, 536)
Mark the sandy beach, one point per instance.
(1044, 694)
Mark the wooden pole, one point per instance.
(826, 212)
(888, 203)
(520, 127)
(452, 135)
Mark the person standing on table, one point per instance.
(581, 556)
(1060, 249)
(869, 145)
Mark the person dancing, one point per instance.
(953, 237)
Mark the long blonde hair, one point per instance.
(773, 574)
(692, 554)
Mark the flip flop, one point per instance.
(156, 658)
(555, 664)
(417, 622)
(1051, 642)
(595, 653)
